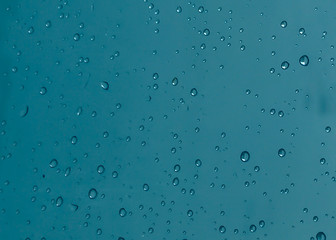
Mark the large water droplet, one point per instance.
(321, 236)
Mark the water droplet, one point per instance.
(322, 161)
(302, 31)
(114, 174)
(155, 76)
(43, 90)
(253, 228)
(48, 24)
(190, 213)
(67, 171)
(53, 163)
(31, 30)
(321, 236)
(284, 65)
(92, 193)
(198, 163)
(262, 223)
(201, 9)
(122, 212)
(76, 37)
(304, 60)
(175, 81)
(145, 187)
(193, 92)
(176, 181)
(177, 168)
(245, 156)
(100, 169)
(74, 140)
(282, 152)
(59, 201)
(104, 85)
(206, 32)
(222, 229)
(179, 9)
(283, 24)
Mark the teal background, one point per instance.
(142, 126)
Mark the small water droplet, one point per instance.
(67, 171)
(92, 193)
(104, 85)
(53, 163)
(284, 65)
(198, 163)
(145, 187)
(43, 90)
(304, 60)
(253, 228)
(261, 223)
(176, 181)
(76, 37)
(193, 92)
(31, 30)
(48, 24)
(122, 212)
(206, 32)
(283, 24)
(100, 169)
(302, 31)
(222, 229)
(245, 156)
(282, 152)
(175, 81)
(74, 140)
(59, 201)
